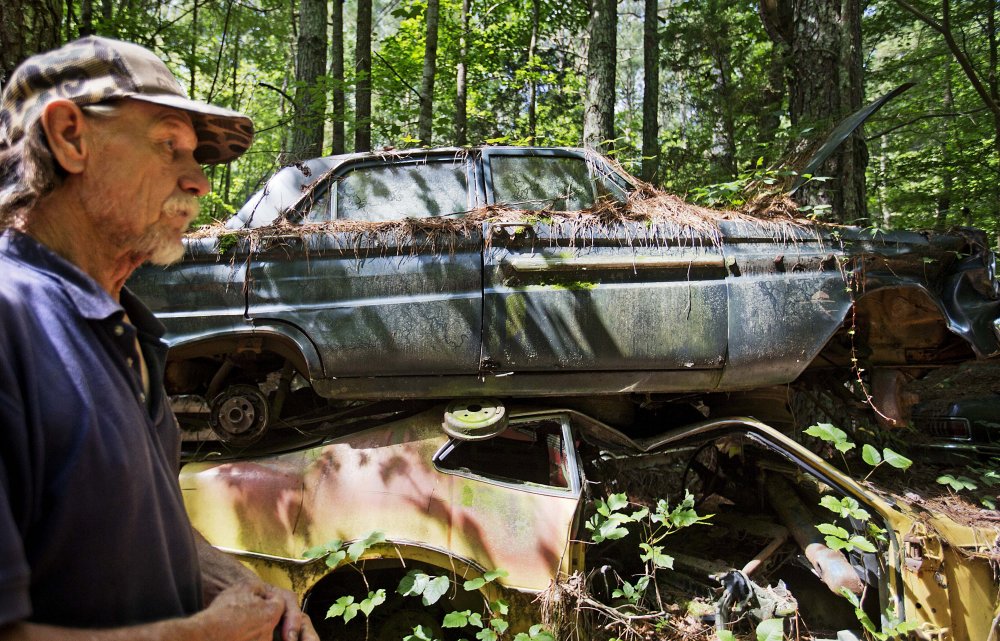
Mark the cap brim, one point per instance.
(223, 134)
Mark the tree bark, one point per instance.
(337, 76)
(310, 95)
(87, 18)
(27, 27)
(650, 91)
(822, 43)
(602, 57)
(363, 75)
(947, 177)
(425, 123)
(532, 82)
(461, 96)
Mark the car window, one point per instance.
(403, 190)
(533, 453)
(319, 211)
(558, 183)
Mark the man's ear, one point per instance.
(64, 126)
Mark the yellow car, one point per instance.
(480, 490)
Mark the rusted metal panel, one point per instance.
(382, 480)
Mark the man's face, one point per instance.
(142, 182)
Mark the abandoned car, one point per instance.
(499, 497)
(526, 272)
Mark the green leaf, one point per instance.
(436, 588)
(859, 542)
(724, 635)
(654, 554)
(617, 502)
(476, 619)
(358, 548)
(456, 619)
(420, 633)
(413, 584)
(500, 606)
(486, 635)
(334, 558)
(771, 630)
(473, 584)
(374, 599)
(896, 459)
(493, 575)
(957, 483)
(870, 455)
(500, 625)
(830, 529)
(339, 607)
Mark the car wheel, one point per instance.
(239, 415)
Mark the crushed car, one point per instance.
(476, 489)
(522, 272)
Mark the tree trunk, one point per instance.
(310, 95)
(87, 18)
(27, 27)
(602, 56)
(822, 40)
(363, 75)
(337, 76)
(461, 97)
(650, 91)
(947, 177)
(724, 132)
(532, 82)
(425, 123)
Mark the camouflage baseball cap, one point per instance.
(93, 70)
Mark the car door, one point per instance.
(373, 276)
(576, 294)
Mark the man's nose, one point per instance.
(194, 181)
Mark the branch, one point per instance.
(944, 29)
(401, 79)
(923, 117)
(283, 94)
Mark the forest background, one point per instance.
(699, 97)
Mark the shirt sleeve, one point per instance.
(15, 598)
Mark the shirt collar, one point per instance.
(83, 292)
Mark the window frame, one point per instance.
(573, 479)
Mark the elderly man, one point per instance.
(100, 156)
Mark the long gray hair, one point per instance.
(28, 170)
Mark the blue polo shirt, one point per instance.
(93, 531)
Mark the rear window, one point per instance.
(403, 190)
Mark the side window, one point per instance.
(525, 453)
(319, 210)
(403, 190)
(558, 183)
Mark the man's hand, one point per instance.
(244, 612)
(295, 624)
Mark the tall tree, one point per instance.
(461, 80)
(602, 56)
(425, 123)
(532, 75)
(27, 27)
(363, 78)
(650, 90)
(984, 78)
(310, 94)
(338, 143)
(822, 45)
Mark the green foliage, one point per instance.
(346, 608)
(957, 483)
(893, 627)
(771, 630)
(845, 507)
(429, 588)
(834, 435)
(837, 538)
(334, 552)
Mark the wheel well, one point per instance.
(370, 575)
(894, 327)
(191, 367)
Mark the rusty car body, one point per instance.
(536, 272)
(518, 502)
